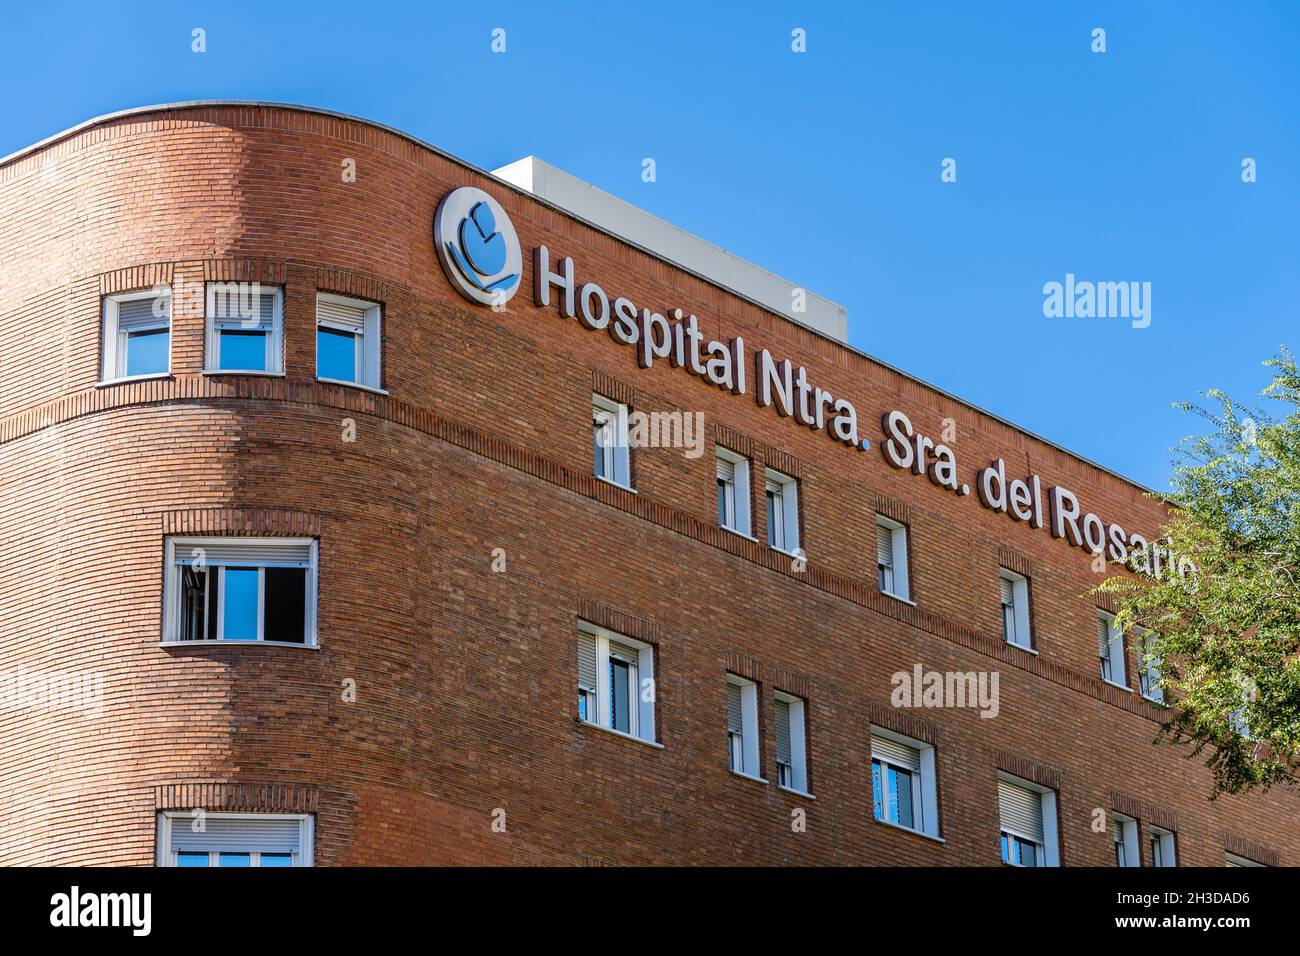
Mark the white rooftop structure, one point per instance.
(676, 245)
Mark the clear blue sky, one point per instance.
(824, 166)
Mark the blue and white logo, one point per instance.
(477, 246)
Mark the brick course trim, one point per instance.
(203, 388)
(241, 797)
(1240, 846)
(1026, 769)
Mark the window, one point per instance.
(1028, 821)
(1124, 833)
(1233, 860)
(1110, 648)
(347, 340)
(1163, 852)
(1015, 609)
(891, 558)
(742, 726)
(1238, 717)
(791, 743)
(903, 782)
(609, 439)
(235, 839)
(1148, 669)
(245, 325)
(782, 493)
(616, 682)
(241, 589)
(137, 334)
(733, 491)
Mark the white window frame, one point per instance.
(737, 518)
(797, 708)
(1020, 609)
(114, 364)
(925, 792)
(749, 742)
(214, 325)
(170, 820)
(785, 536)
(898, 577)
(369, 341)
(172, 603)
(1050, 852)
(641, 717)
(1164, 847)
(1148, 669)
(617, 457)
(1114, 652)
(1124, 834)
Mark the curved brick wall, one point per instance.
(465, 677)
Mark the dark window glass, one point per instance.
(336, 355)
(214, 597)
(621, 714)
(146, 352)
(240, 605)
(286, 605)
(243, 350)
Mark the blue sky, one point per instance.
(824, 167)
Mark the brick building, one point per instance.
(317, 549)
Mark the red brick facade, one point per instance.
(464, 676)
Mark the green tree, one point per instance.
(1227, 649)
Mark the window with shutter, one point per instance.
(1014, 589)
(137, 335)
(347, 340)
(1021, 810)
(250, 589)
(782, 512)
(587, 669)
(885, 558)
(735, 728)
(238, 839)
(903, 778)
(610, 441)
(245, 323)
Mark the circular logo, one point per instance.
(477, 246)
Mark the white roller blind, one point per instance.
(1008, 592)
(1103, 635)
(229, 304)
(586, 661)
(236, 551)
(735, 713)
(900, 755)
(884, 546)
(783, 732)
(139, 314)
(350, 318)
(1021, 811)
(726, 470)
(272, 834)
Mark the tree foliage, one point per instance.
(1228, 650)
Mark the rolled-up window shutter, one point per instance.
(235, 552)
(735, 713)
(726, 470)
(349, 318)
(884, 546)
(1021, 811)
(586, 661)
(783, 732)
(1008, 592)
(275, 834)
(1103, 635)
(900, 755)
(138, 314)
